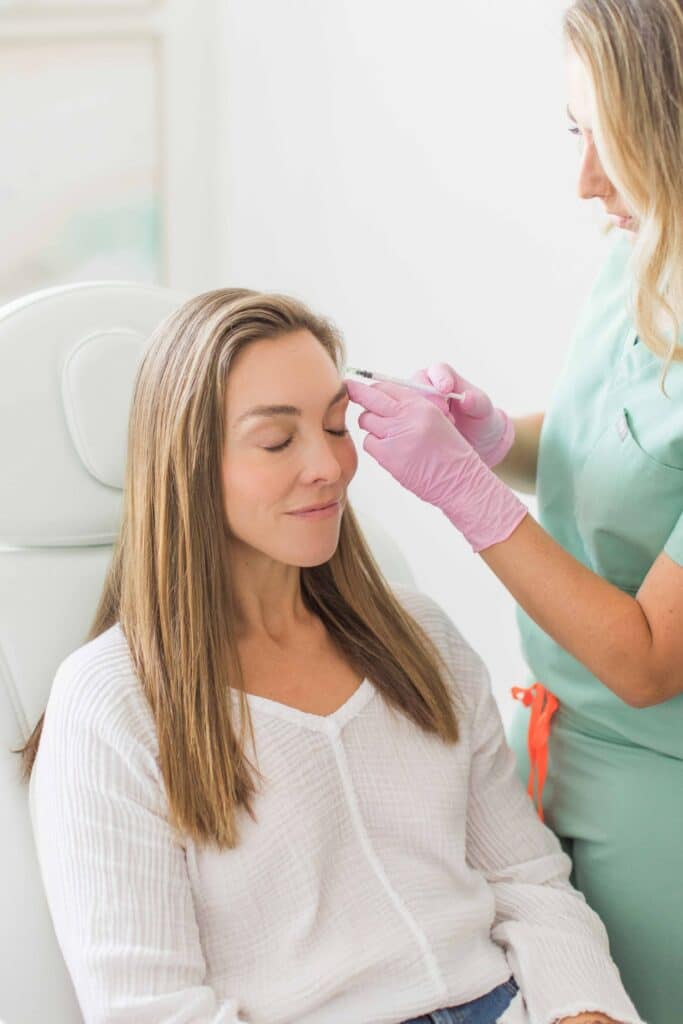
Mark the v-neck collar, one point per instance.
(333, 722)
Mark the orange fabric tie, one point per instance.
(544, 704)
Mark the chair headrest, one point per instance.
(68, 359)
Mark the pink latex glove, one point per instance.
(490, 431)
(412, 438)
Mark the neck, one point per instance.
(267, 593)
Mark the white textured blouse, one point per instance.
(388, 874)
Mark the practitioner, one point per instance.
(599, 580)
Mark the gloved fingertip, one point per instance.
(476, 404)
(442, 376)
(421, 376)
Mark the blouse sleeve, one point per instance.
(556, 945)
(114, 873)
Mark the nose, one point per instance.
(593, 183)
(320, 464)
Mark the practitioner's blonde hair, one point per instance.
(633, 50)
(169, 583)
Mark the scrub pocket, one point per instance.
(627, 505)
(503, 1005)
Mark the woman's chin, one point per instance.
(316, 551)
(301, 554)
(625, 222)
(310, 559)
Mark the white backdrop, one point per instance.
(109, 137)
(406, 168)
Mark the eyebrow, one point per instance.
(571, 116)
(286, 410)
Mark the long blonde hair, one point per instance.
(633, 50)
(169, 582)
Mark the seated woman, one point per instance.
(269, 789)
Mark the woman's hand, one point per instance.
(490, 431)
(421, 448)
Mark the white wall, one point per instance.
(108, 126)
(403, 167)
(406, 169)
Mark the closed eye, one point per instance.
(278, 447)
(285, 444)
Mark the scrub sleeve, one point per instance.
(610, 491)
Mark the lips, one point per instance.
(314, 508)
(621, 218)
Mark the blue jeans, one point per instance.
(484, 1010)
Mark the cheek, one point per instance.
(348, 459)
(251, 483)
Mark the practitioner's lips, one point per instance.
(623, 220)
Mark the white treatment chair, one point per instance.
(68, 357)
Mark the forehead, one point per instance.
(579, 89)
(294, 369)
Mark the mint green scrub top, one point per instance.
(610, 491)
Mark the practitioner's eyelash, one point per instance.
(574, 130)
(285, 444)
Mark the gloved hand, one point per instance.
(490, 431)
(411, 437)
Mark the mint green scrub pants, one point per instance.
(617, 809)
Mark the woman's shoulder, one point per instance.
(97, 664)
(424, 609)
(97, 689)
(98, 747)
(464, 666)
